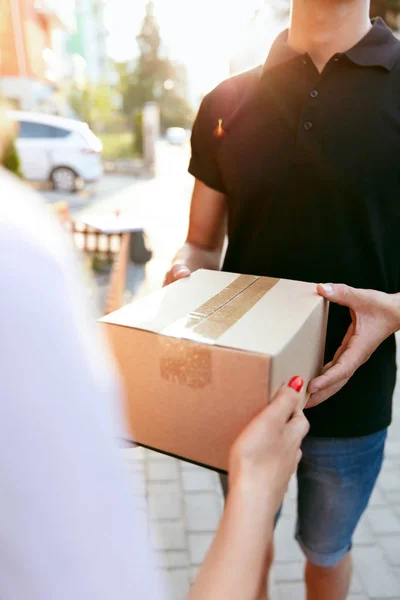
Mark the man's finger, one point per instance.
(312, 387)
(176, 272)
(343, 346)
(339, 293)
(179, 272)
(324, 394)
(352, 358)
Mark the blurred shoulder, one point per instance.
(26, 223)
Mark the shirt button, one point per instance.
(304, 61)
(314, 94)
(307, 125)
(336, 58)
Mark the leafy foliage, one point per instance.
(94, 104)
(11, 160)
(155, 78)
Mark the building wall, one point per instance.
(90, 39)
(12, 50)
(28, 65)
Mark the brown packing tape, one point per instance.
(218, 323)
(212, 305)
(191, 365)
(185, 363)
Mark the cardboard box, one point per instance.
(204, 355)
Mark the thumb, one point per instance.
(339, 293)
(179, 272)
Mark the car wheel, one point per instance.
(65, 179)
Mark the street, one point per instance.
(184, 501)
(162, 204)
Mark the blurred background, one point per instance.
(102, 95)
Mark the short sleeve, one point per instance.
(204, 160)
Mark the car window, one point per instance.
(58, 132)
(28, 129)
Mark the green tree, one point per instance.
(11, 160)
(155, 78)
(94, 104)
(138, 141)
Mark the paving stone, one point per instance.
(291, 591)
(397, 573)
(168, 535)
(390, 464)
(133, 454)
(199, 544)
(377, 578)
(286, 549)
(389, 481)
(288, 572)
(202, 512)
(178, 584)
(194, 571)
(377, 498)
(356, 585)
(292, 489)
(173, 559)
(390, 544)
(393, 497)
(163, 470)
(273, 591)
(383, 520)
(165, 501)
(363, 535)
(152, 456)
(392, 448)
(187, 466)
(198, 481)
(395, 460)
(289, 508)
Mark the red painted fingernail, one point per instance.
(296, 383)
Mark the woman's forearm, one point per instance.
(236, 562)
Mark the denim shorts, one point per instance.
(335, 478)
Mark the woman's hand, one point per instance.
(267, 452)
(375, 316)
(262, 461)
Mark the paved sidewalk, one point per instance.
(185, 505)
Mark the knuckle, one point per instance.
(345, 371)
(341, 289)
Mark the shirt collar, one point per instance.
(379, 48)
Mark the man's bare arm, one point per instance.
(205, 240)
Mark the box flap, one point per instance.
(165, 306)
(255, 314)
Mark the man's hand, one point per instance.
(267, 452)
(375, 316)
(176, 272)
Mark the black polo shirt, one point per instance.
(310, 164)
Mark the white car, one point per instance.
(63, 151)
(177, 136)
